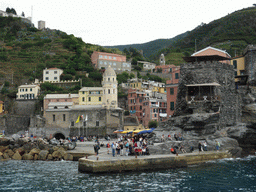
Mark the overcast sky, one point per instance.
(120, 22)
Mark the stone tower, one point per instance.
(162, 59)
(109, 85)
(41, 25)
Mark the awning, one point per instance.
(163, 114)
(203, 84)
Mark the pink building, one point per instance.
(103, 60)
(135, 100)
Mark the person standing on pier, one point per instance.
(113, 146)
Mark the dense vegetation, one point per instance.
(26, 51)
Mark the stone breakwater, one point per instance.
(143, 163)
(23, 149)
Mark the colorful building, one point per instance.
(118, 62)
(90, 96)
(1, 107)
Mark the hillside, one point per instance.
(26, 51)
(151, 48)
(231, 33)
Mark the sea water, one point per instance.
(221, 175)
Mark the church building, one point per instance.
(93, 111)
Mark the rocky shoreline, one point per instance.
(25, 149)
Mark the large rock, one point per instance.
(50, 157)
(6, 156)
(4, 141)
(27, 157)
(34, 151)
(43, 155)
(3, 148)
(17, 156)
(68, 157)
(9, 152)
(57, 155)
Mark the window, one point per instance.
(55, 78)
(172, 106)
(99, 98)
(101, 62)
(108, 91)
(64, 117)
(171, 91)
(140, 107)
(105, 57)
(105, 63)
(235, 73)
(155, 115)
(114, 64)
(55, 107)
(235, 64)
(97, 123)
(83, 92)
(176, 75)
(46, 78)
(55, 72)
(53, 117)
(30, 89)
(82, 98)
(66, 107)
(26, 90)
(89, 98)
(47, 72)
(114, 58)
(108, 79)
(170, 69)
(101, 56)
(110, 57)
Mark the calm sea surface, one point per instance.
(221, 175)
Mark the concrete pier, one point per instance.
(107, 163)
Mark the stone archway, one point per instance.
(59, 136)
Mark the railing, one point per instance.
(203, 98)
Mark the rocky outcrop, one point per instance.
(26, 150)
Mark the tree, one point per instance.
(152, 124)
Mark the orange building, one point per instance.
(211, 51)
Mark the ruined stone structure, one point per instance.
(250, 63)
(207, 96)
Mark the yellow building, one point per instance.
(90, 96)
(239, 66)
(136, 85)
(1, 107)
(26, 92)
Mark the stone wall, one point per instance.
(210, 72)
(250, 63)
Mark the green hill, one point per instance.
(26, 51)
(231, 33)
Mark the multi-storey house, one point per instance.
(101, 60)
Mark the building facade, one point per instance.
(52, 75)
(26, 92)
(102, 60)
(93, 110)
